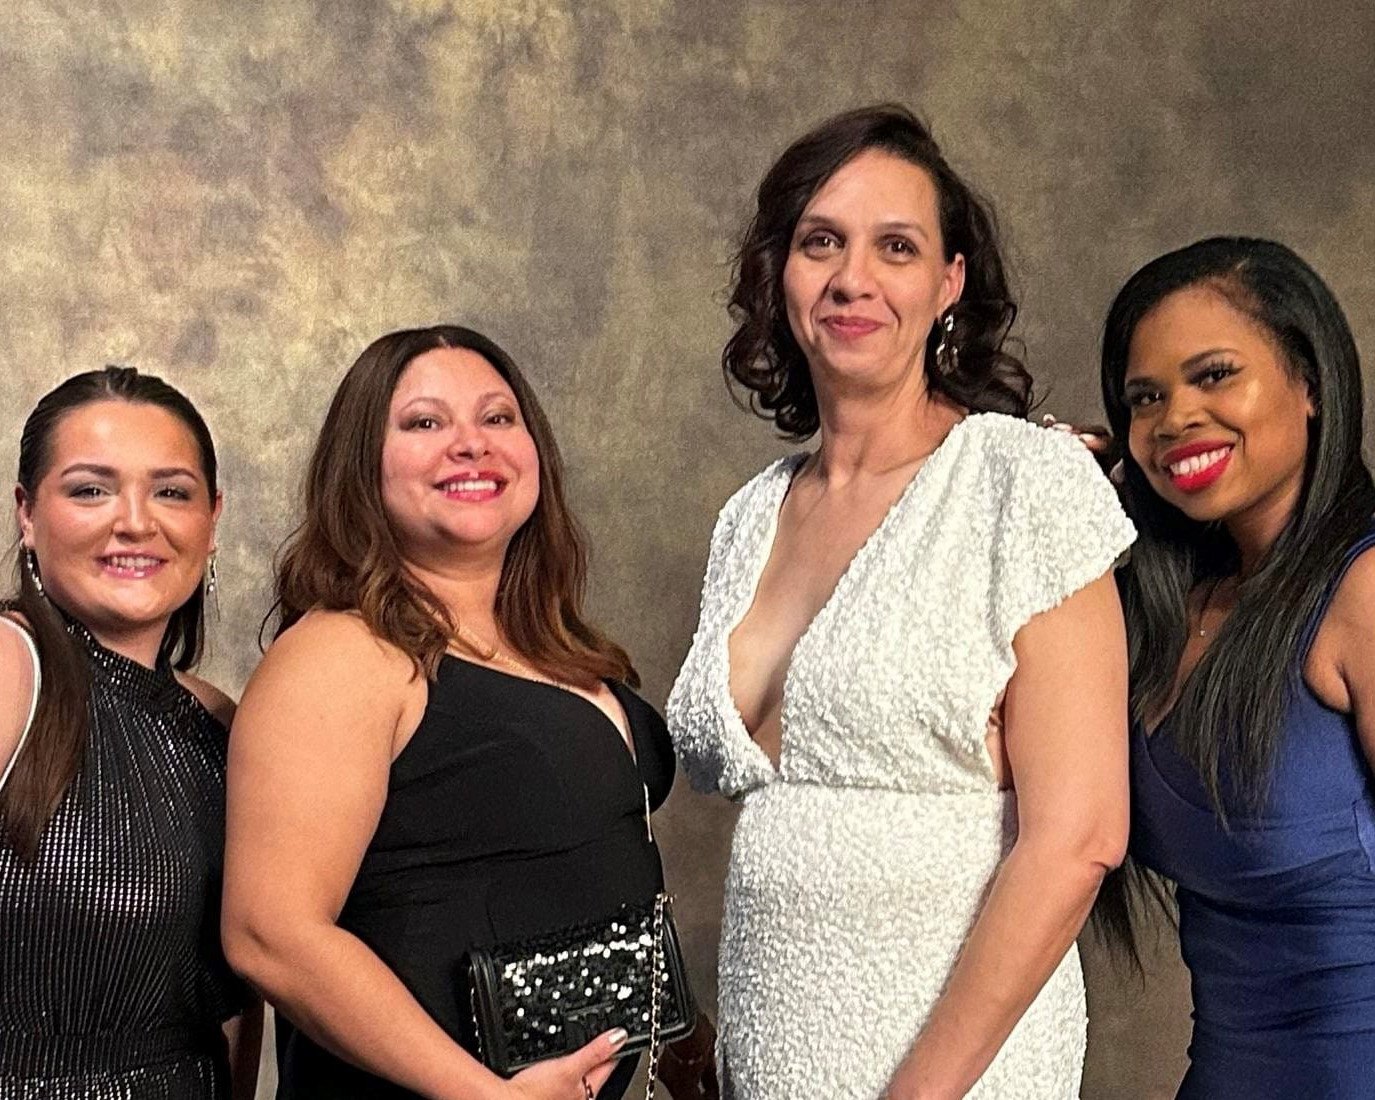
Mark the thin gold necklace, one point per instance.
(493, 653)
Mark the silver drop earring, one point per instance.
(947, 354)
(212, 582)
(31, 562)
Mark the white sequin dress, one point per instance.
(858, 867)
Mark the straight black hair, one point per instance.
(1232, 708)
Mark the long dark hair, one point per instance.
(1233, 705)
(53, 752)
(763, 356)
(345, 555)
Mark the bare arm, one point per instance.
(313, 742)
(1345, 651)
(1068, 754)
(16, 672)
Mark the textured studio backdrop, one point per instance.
(240, 195)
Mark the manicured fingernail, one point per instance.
(619, 1036)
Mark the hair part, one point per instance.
(53, 752)
(1232, 707)
(345, 555)
(763, 356)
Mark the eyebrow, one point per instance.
(109, 471)
(896, 225)
(1193, 361)
(424, 398)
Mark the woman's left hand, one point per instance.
(688, 1067)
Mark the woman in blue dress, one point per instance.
(1231, 375)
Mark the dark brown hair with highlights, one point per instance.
(345, 555)
(53, 751)
(764, 357)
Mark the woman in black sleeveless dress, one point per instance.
(438, 752)
(112, 984)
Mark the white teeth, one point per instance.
(131, 561)
(473, 485)
(1198, 462)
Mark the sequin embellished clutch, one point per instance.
(548, 996)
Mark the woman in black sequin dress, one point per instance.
(438, 751)
(112, 983)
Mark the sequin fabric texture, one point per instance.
(858, 867)
(112, 985)
(554, 993)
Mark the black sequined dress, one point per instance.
(112, 983)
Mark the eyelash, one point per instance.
(428, 423)
(1222, 369)
(824, 239)
(90, 492)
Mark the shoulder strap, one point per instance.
(8, 766)
(1359, 547)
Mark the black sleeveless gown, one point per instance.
(515, 809)
(112, 984)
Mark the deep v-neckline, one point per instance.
(784, 475)
(626, 738)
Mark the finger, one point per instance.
(600, 1050)
(596, 1078)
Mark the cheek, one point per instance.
(1138, 443)
(798, 292)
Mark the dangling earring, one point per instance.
(31, 561)
(947, 354)
(212, 581)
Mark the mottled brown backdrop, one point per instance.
(239, 195)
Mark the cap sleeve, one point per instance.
(1060, 526)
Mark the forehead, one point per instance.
(448, 374)
(1192, 321)
(877, 186)
(123, 434)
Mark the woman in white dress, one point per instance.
(907, 875)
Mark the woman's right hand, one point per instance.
(575, 1076)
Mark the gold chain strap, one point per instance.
(656, 994)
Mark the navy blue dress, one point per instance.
(1277, 916)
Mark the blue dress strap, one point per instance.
(1359, 547)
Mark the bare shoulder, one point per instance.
(338, 661)
(1350, 619)
(220, 705)
(332, 639)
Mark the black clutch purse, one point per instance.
(549, 995)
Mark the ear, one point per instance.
(952, 283)
(23, 510)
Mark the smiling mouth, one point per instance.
(131, 566)
(1199, 471)
(472, 488)
(851, 326)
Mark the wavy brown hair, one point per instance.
(345, 555)
(53, 752)
(763, 355)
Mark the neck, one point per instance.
(139, 643)
(1256, 530)
(467, 589)
(874, 431)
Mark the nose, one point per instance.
(468, 441)
(853, 278)
(1180, 411)
(134, 518)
